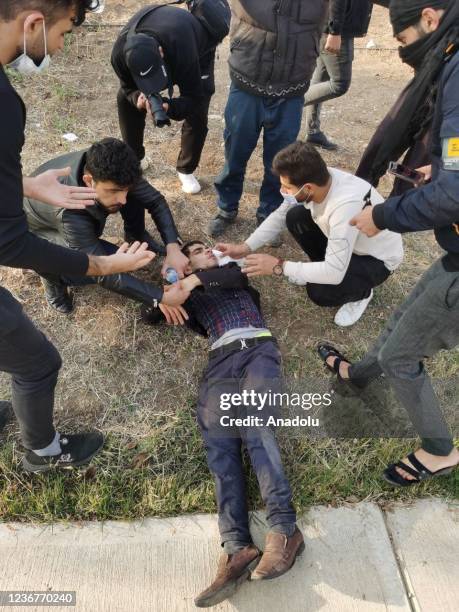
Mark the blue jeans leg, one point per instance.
(281, 127)
(243, 123)
(261, 369)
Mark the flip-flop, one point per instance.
(418, 471)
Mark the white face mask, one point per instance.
(25, 64)
(292, 199)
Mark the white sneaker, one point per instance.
(350, 313)
(189, 182)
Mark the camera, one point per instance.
(160, 118)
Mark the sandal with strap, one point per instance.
(327, 350)
(418, 471)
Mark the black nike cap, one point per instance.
(147, 67)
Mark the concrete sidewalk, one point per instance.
(357, 559)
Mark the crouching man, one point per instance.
(113, 170)
(319, 202)
(243, 356)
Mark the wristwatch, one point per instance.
(278, 269)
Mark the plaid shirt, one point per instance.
(221, 310)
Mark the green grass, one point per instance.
(166, 474)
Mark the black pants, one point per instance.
(194, 131)
(364, 271)
(34, 364)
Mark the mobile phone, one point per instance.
(407, 174)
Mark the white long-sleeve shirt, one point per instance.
(344, 200)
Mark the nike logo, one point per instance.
(146, 72)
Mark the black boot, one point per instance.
(219, 224)
(320, 140)
(58, 296)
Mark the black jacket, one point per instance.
(435, 205)
(274, 45)
(19, 248)
(187, 54)
(214, 279)
(82, 229)
(349, 18)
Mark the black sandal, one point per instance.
(327, 350)
(418, 471)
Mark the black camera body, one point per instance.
(160, 118)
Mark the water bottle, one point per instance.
(172, 276)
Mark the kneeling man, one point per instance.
(319, 203)
(113, 170)
(243, 357)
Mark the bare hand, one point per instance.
(235, 251)
(259, 265)
(126, 259)
(175, 315)
(427, 171)
(364, 222)
(46, 188)
(333, 44)
(175, 259)
(143, 103)
(175, 295)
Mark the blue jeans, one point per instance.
(259, 369)
(246, 116)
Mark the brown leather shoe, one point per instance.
(233, 570)
(279, 555)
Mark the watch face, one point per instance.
(278, 271)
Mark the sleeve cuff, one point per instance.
(378, 216)
(334, 28)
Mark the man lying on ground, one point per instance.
(243, 356)
(113, 170)
(319, 203)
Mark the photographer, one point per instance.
(161, 47)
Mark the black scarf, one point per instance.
(411, 117)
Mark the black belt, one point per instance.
(240, 345)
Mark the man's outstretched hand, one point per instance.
(126, 259)
(46, 188)
(235, 251)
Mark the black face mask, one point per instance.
(417, 52)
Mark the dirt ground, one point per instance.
(130, 380)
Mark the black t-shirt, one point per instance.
(18, 247)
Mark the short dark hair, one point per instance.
(113, 160)
(187, 246)
(301, 163)
(51, 9)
